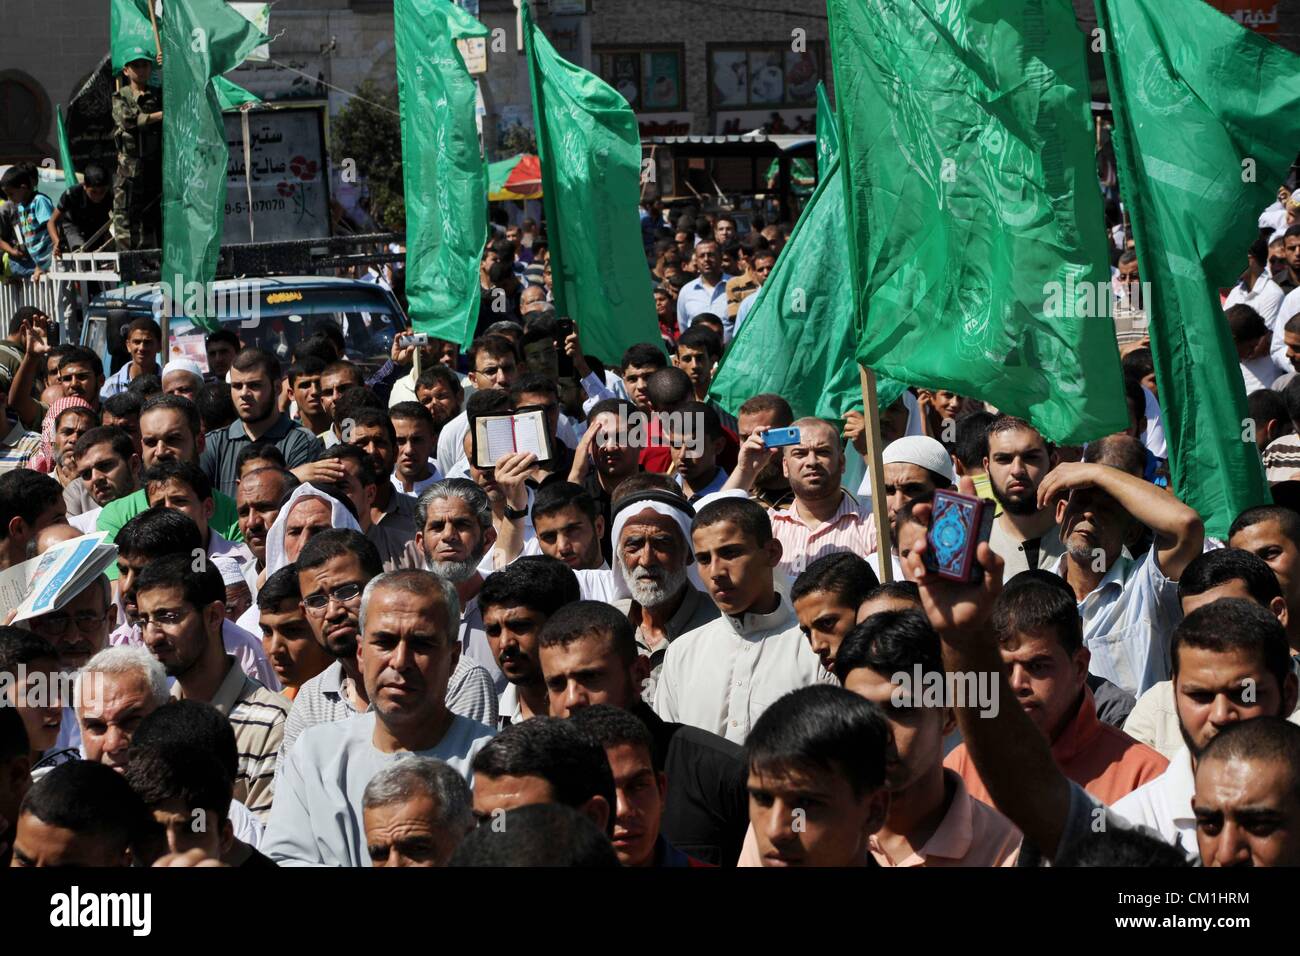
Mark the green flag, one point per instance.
(590, 150)
(798, 337)
(201, 40)
(130, 33)
(230, 95)
(972, 197)
(443, 173)
(65, 151)
(828, 137)
(1205, 121)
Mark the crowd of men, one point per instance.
(336, 635)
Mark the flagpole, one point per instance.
(153, 19)
(876, 471)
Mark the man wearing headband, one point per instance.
(652, 550)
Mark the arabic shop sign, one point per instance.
(1258, 15)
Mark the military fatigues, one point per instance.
(137, 186)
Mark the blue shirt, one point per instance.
(32, 218)
(694, 299)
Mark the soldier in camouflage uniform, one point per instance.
(137, 186)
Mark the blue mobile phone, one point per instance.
(780, 437)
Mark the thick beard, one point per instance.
(651, 593)
(456, 572)
(1021, 507)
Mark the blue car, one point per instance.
(272, 313)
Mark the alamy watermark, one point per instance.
(976, 690)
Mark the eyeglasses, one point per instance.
(165, 620)
(56, 624)
(344, 593)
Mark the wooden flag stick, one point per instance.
(876, 471)
(157, 40)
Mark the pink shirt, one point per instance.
(852, 528)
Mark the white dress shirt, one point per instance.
(1165, 804)
(722, 676)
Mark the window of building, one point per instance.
(764, 75)
(650, 78)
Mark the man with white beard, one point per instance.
(453, 521)
(652, 548)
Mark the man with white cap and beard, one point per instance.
(652, 551)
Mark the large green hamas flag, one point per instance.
(442, 169)
(130, 32)
(974, 216)
(1206, 122)
(798, 338)
(590, 150)
(201, 40)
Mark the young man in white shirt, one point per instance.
(722, 676)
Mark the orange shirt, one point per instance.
(1106, 762)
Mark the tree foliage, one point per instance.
(366, 132)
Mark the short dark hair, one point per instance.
(440, 373)
(669, 387)
(537, 582)
(533, 383)
(25, 494)
(1287, 520)
(191, 724)
(123, 405)
(555, 496)
(157, 532)
(371, 417)
(703, 340)
(222, 335)
(343, 367)
(540, 834)
(146, 386)
(185, 472)
(365, 464)
(1122, 846)
(177, 403)
(257, 360)
(1272, 739)
(304, 365)
(487, 401)
(353, 401)
(1121, 451)
(411, 412)
(1265, 404)
(216, 407)
(643, 355)
(198, 588)
(1235, 624)
(115, 438)
(1222, 565)
(144, 323)
(972, 445)
(749, 516)
(899, 590)
(90, 799)
(1138, 364)
(338, 543)
(195, 779)
(612, 406)
(330, 330)
(571, 762)
(843, 574)
(95, 176)
(889, 643)
(80, 355)
(613, 726)
(14, 742)
(580, 619)
(493, 346)
(260, 451)
(1038, 602)
(825, 727)
(279, 587)
(768, 402)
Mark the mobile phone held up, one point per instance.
(563, 329)
(958, 524)
(412, 339)
(780, 437)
